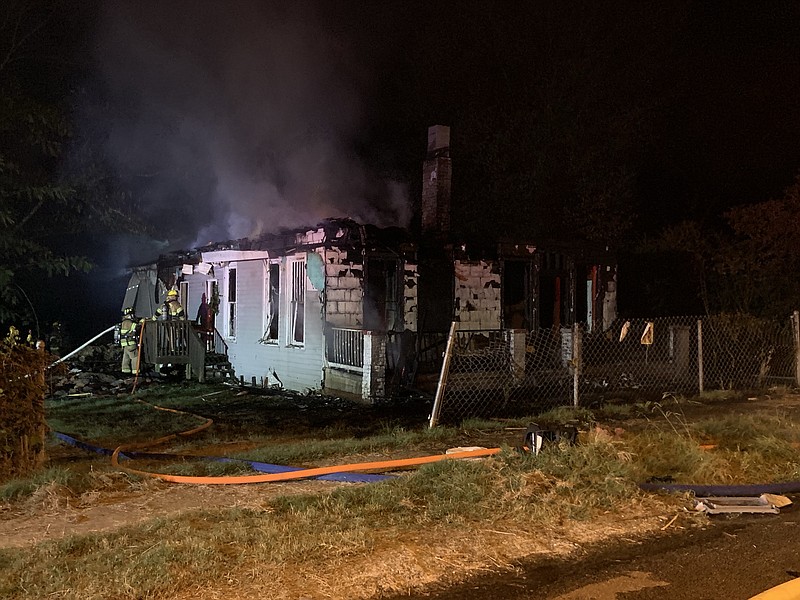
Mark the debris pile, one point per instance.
(102, 358)
(95, 370)
(765, 503)
(86, 383)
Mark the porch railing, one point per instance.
(345, 348)
(220, 346)
(212, 339)
(174, 343)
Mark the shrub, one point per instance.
(22, 423)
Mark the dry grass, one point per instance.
(440, 523)
(288, 557)
(507, 507)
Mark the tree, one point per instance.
(39, 205)
(751, 265)
(34, 205)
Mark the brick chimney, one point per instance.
(436, 182)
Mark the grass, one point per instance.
(112, 421)
(167, 555)
(523, 492)
(68, 482)
(315, 449)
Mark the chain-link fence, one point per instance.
(491, 372)
(638, 358)
(747, 353)
(501, 372)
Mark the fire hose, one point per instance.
(274, 473)
(79, 348)
(255, 465)
(271, 473)
(785, 591)
(384, 465)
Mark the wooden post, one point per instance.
(577, 347)
(796, 332)
(700, 354)
(448, 353)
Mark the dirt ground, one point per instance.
(403, 565)
(53, 513)
(730, 557)
(399, 563)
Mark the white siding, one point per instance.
(299, 368)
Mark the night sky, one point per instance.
(224, 120)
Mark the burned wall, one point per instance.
(344, 294)
(477, 294)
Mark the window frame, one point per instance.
(231, 291)
(296, 276)
(272, 313)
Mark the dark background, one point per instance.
(224, 120)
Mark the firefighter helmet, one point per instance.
(172, 294)
(127, 311)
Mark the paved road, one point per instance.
(733, 558)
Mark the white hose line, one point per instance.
(63, 358)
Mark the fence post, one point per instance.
(577, 358)
(700, 354)
(516, 339)
(448, 353)
(373, 374)
(796, 332)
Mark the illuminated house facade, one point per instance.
(340, 307)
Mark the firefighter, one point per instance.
(171, 310)
(129, 340)
(56, 339)
(174, 335)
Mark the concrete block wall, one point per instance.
(373, 378)
(344, 293)
(344, 383)
(313, 236)
(477, 294)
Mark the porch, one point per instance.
(181, 343)
(355, 362)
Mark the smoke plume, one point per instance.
(233, 119)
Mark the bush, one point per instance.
(22, 423)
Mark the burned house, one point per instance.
(498, 284)
(349, 308)
(307, 309)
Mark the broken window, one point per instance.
(297, 302)
(232, 302)
(381, 304)
(272, 294)
(517, 294)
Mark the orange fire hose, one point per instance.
(384, 465)
(786, 591)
